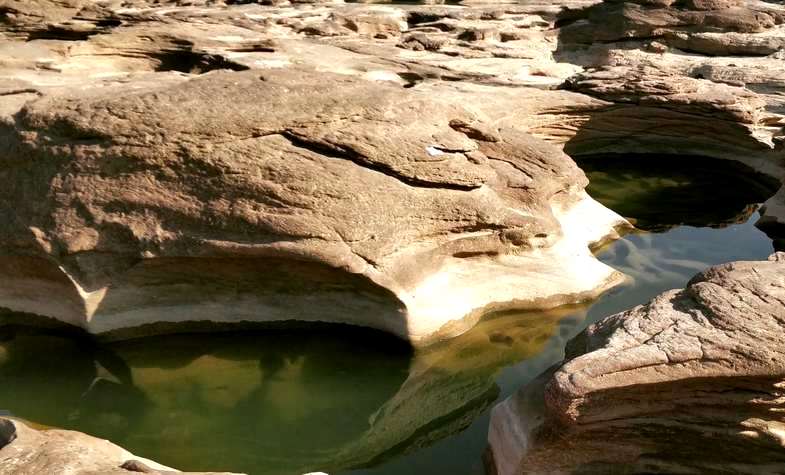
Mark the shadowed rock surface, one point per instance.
(132, 159)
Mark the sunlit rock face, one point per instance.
(159, 141)
(164, 166)
(645, 389)
(287, 195)
(703, 78)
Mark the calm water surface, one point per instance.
(357, 402)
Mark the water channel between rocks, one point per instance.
(343, 400)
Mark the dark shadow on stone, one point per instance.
(7, 432)
(192, 62)
(58, 33)
(776, 231)
(136, 466)
(73, 32)
(658, 191)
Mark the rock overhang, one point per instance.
(457, 144)
(371, 179)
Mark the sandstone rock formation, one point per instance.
(682, 77)
(177, 161)
(163, 184)
(277, 194)
(24, 450)
(645, 389)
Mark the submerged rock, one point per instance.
(650, 389)
(24, 450)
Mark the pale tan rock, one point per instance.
(470, 78)
(454, 216)
(388, 171)
(25, 451)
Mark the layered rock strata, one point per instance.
(653, 388)
(682, 77)
(178, 161)
(277, 194)
(485, 211)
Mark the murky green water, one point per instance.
(354, 401)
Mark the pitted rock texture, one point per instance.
(682, 77)
(727, 323)
(134, 131)
(642, 389)
(158, 190)
(171, 161)
(24, 450)
(353, 179)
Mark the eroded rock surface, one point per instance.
(141, 197)
(390, 166)
(644, 389)
(24, 450)
(694, 77)
(399, 151)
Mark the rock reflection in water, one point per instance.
(660, 196)
(279, 402)
(273, 403)
(659, 192)
(665, 259)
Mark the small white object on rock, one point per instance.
(434, 151)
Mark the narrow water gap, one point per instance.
(691, 212)
(344, 400)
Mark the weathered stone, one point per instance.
(643, 388)
(651, 87)
(377, 22)
(419, 41)
(376, 165)
(7, 432)
(663, 106)
(24, 450)
(622, 21)
(275, 162)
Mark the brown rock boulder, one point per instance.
(279, 195)
(652, 388)
(615, 20)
